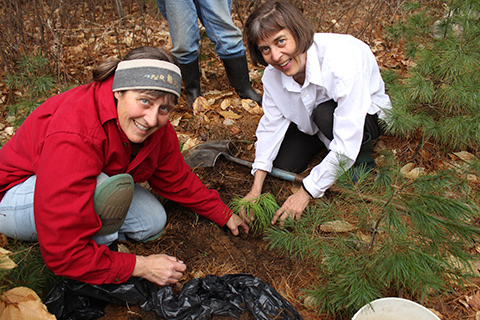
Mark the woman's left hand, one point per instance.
(236, 222)
(293, 207)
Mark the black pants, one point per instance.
(298, 148)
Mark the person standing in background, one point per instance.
(182, 17)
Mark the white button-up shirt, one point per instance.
(338, 67)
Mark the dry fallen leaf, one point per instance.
(3, 240)
(5, 261)
(190, 143)
(22, 303)
(474, 301)
(251, 106)
(473, 178)
(410, 172)
(9, 130)
(407, 168)
(465, 156)
(415, 173)
(230, 115)
(226, 103)
(475, 264)
(228, 122)
(200, 105)
(337, 226)
(182, 137)
(216, 92)
(176, 121)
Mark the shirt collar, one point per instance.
(313, 68)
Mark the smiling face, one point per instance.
(279, 50)
(140, 114)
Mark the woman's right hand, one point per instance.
(160, 269)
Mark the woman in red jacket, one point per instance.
(69, 175)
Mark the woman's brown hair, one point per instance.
(269, 19)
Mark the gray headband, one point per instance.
(143, 74)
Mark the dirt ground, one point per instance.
(210, 250)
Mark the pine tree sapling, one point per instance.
(34, 81)
(415, 237)
(260, 211)
(438, 97)
(30, 271)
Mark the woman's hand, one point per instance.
(236, 222)
(160, 269)
(253, 195)
(248, 216)
(293, 207)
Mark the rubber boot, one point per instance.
(191, 80)
(112, 199)
(365, 161)
(237, 73)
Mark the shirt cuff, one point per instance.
(308, 192)
(312, 188)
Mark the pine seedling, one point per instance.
(260, 211)
(34, 81)
(438, 96)
(409, 236)
(302, 239)
(30, 271)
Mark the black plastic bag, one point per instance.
(199, 299)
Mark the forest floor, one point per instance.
(206, 248)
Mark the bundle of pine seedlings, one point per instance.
(259, 211)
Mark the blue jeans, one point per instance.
(216, 17)
(145, 219)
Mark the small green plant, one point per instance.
(30, 272)
(32, 83)
(260, 211)
(413, 237)
(437, 99)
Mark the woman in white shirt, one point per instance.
(320, 90)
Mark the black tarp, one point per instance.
(199, 299)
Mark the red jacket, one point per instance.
(67, 142)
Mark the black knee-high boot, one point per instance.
(191, 80)
(237, 73)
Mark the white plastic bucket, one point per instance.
(394, 309)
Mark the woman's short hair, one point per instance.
(272, 17)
